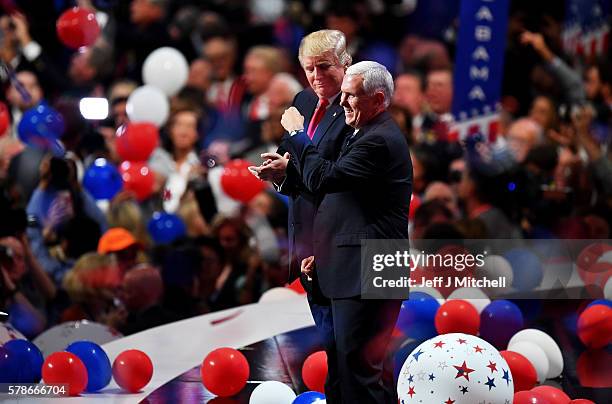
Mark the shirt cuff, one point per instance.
(31, 51)
(280, 186)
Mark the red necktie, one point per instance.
(318, 115)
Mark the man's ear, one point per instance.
(380, 98)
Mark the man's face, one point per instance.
(200, 72)
(408, 94)
(80, 70)
(221, 55)
(324, 73)
(440, 91)
(359, 108)
(29, 81)
(257, 75)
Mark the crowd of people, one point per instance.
(65, 256)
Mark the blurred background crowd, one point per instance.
(68, 253)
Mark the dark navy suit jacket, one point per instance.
(327, 140)
(364, 193)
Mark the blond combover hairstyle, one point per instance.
(325, 40)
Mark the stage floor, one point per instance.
(280, 358)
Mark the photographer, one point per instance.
(26, 288)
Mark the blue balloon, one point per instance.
(416, 316)
(41, 126)
(604, 302)
(9, 366)
(309, 397)
(102, 180)
(526, 267)
(96, 361)
(499, 321)
(164, 227)
(29, 358)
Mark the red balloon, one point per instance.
(136, 141)
(314, 371)
(296, 286)
(581, 401)
(593, 368)
(591, 271)
(529, 397)
(132, 370)
(552, 394)
(77, 27)
(225, 371)
(65, 368)
(138, 178)
(5, 119)
(238, 183)
(457, 316)
(595, 326)
(523, 373)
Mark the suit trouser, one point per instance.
(356, 334)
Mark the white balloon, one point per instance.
(272, 392)
(475, 296)
(608, 289)
(59, 337)
(495, 266)
(167, 69)
(9, 333)
(548, 345)
(535, 355)
(457, 368)
(276, 294)
(148, 104)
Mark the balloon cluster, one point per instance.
(82, 366)
(225, 372)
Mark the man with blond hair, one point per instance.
(324, 58)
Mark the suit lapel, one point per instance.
(333, 112)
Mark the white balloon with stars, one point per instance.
(455, 369)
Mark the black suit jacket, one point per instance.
(366, 196)
(327, 140)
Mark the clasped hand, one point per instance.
(274, 165)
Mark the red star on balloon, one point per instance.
(478, 349)
(411, 391)
(463, 371)
(449, 401)
(167, 195)
(461, 341)
(438, 344)
(492, 366)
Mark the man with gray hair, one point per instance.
(362, 194)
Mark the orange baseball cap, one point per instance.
(115, 239)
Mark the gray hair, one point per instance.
(292, 84)
(376, 78)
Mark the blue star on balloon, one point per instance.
(410, 379)
(490, 383)
(506, 377)
(416, 355)
(431, 376)
(463, 389)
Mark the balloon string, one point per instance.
(25, 95)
